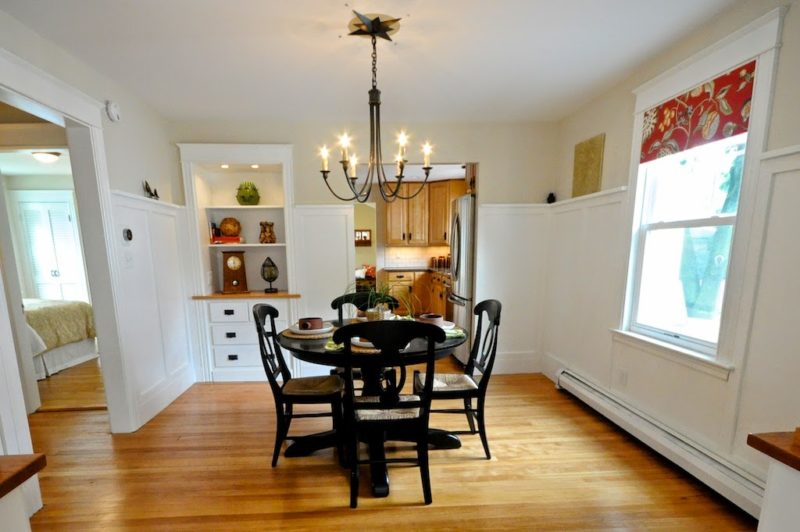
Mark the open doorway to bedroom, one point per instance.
(43, 237)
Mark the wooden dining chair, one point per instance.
(379, 410)
(471, 384)
(288, 391)
(361, 300)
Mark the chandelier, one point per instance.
(374, 26)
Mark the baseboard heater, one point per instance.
(720, 475)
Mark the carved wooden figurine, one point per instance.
(267, 233)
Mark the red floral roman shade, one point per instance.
(711, 111)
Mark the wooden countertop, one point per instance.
(782, 446)
(17, 468)
(249, 295)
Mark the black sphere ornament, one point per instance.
(269, 272)
(551, 198)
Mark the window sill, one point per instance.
(680, 355)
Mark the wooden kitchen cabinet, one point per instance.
(407, 220)
(410, 286)
(440, 196)
(439, 290)
(421, 292)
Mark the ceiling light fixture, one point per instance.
(224, 166)
(46, 157)
(374, 26)
(254, 166)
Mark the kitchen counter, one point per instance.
(428, 269)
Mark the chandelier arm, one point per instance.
(415, 194)
(355, 196)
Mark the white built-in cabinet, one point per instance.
(225, 332)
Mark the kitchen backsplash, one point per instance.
(413, 257)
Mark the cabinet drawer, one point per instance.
(233, 334)
(237, 355)
(395, 277)
(226, 311)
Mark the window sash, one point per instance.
(666, 335)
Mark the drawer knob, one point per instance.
(230, 335)
(233, 357)
(228, 312)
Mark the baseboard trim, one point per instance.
(701, 463)
(154, 404)
(517, 362)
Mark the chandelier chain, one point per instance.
(374, 64)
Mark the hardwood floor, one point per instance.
(203, 464)
(77, 388)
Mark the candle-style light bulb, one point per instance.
(344, 143)
(427, 149)
(324, 153)
(353, 164)
(402, 141)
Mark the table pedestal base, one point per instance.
(306, 445)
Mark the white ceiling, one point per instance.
(20, 163)
(278, 60)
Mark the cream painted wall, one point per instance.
(612, 111)
(517, 162)
(137, 147)
(39, 182)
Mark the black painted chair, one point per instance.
(382, 407)
(290, 391)
(472, 384)
(361, 300)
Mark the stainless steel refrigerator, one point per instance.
(462, 253)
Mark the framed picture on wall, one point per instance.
(363, 237)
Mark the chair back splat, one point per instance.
(271, 354)
(484, 349)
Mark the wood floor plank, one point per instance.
(203, 464)
(77, 388)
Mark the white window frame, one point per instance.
(758, 40)
(688, 342)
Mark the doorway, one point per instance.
(42, 238)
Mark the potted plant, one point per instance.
(379, 299)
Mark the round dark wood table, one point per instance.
(314, 351)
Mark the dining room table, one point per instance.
(319, 349)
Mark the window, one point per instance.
(689, 179)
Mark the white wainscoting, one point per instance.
(586, 265)
(324, 258)
(768, 397)
(154, 326)
(511, 256)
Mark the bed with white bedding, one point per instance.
(62, 334)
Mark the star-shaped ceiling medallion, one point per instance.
(374, 25)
